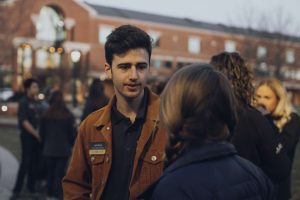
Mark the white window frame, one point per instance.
(230, 46)
(290, 56)
(194, 44)
(261, 52)
(155, 36)
(104, 31)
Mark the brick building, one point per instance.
(50, 30)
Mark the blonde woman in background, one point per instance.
(271, 95)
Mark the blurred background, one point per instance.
(61, 43)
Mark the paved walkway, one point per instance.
(8, 170)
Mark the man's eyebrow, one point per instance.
(128, 63)
(142, 63)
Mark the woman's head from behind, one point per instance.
(198, 105)
(234, 67)
(57, 107)
(272, 95)
(96, 88)
(56, 99)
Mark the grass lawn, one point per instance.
(10, 140)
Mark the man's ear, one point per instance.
(108, 71)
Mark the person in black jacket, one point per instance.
(202, 165)
(58, 134)
(253, 136)
(28, 118)
(96, 98)
(272, 95)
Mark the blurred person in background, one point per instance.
(58, 134)
(96, 98)
(203, 165)
(271, 95)
(253, 136)
(28, 118)
(109, 90)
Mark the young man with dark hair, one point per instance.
(28, 117)
(119, 150)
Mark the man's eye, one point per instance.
(124, 66)
(142, 66)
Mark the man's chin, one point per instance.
(132, 95)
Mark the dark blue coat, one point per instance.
(213, 171)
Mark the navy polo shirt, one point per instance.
(125, 135)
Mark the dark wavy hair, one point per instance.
(96, 98)
(124, 38)
(28, 82)
(57, 107)
(238, 73)
(197, 105)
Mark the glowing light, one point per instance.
(4, 108)
(75, 56)
(60, 50)
(51, 49)
(41, 96)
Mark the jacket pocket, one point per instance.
(97, 165)
(153, 158)
(152, 166)
(97, 159)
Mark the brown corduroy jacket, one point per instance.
(89, 167)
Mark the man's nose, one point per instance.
(133, 73)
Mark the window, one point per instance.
(156, 63)
(50, 25)
(290, 56)
(47, 60)
(261, 52)
(155, 36)
(168, 64)
(194, 45)
(229, 46)
(24, 57)
(104, 31)
(182, 64)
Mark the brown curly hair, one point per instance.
(238, 73)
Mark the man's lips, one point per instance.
(133, 86)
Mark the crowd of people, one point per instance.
(208, 133)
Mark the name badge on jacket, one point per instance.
(97, 148)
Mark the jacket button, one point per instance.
(92, 158)
(108, 128)
(107, 159)
(153, 158)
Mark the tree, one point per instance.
(277, 28)
(13, 21)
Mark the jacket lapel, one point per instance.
(149, 128)
(104, 122)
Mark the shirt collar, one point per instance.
(141, 114)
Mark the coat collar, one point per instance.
(152, 110)
(207, 152)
